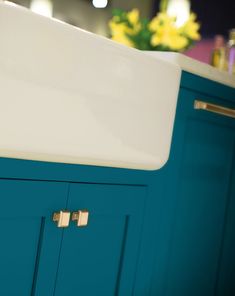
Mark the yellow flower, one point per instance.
(169, 36)
(161, 20)
(133, 16)
(178, 42)
(119, 32)
(155, 40)
(162, 31)
(166, 33)
(190, 28)
(154, 24)
(123, 40)
(117, 28)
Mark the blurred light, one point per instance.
(43, 7)
(100, 3)
(179, 9)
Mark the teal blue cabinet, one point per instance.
(101, 259)
(200, 258)
(38, 258)
(226, 277)
(30, 243)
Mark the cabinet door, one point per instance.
(205, 164)
(30, 241)
(226, 280)
(101, 258)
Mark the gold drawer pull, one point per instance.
(214, 108)
(62, 218)
(81, 217)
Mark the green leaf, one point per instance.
(117, 12)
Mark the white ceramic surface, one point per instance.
(70, 96)
(195, 67)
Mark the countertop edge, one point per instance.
(196, 67)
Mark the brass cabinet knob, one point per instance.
(81, 217)
(62, 218)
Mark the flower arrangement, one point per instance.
(160, 33)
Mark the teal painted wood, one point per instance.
(30, 241)
(101, 259)
(226, 276)
(207, 87)
(202, 153)
(46, 171)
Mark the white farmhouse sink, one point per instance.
(70, 96)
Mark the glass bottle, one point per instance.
(231, 52)
(218, 55)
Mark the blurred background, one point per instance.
(216, 17)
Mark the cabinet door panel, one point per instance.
(226, 281)
(30, 242)
(101, 259)
(18, 254)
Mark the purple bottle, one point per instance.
(231, 52)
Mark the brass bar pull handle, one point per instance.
(81, 217)
(61, 218)
(214, 108)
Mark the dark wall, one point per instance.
(216, 16)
